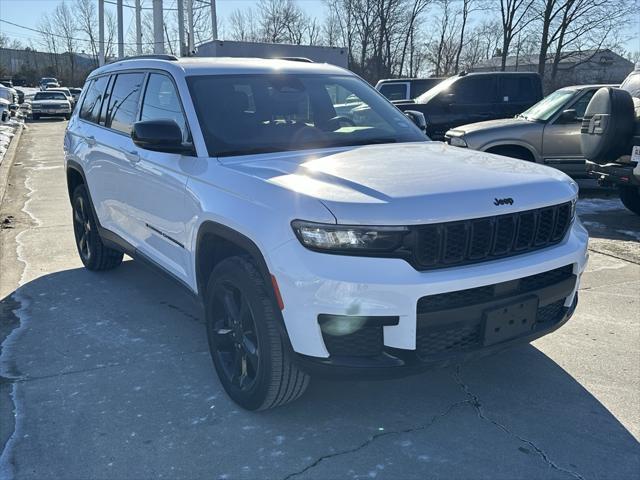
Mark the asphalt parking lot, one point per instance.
(108, 375)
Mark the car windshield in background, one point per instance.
(632, 85)
(441, 87)
(246, 114)
(548, 106)
(50, 96)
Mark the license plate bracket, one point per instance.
(510, 320)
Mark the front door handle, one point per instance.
(91, 141)
(132, 156)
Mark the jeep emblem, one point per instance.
(503, 201)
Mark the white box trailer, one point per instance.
(227, 48)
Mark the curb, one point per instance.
(7, 161)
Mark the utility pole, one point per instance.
(138, 28)
(101, 32)
(214, 20)
(181, 47)
(158, 27)
(190, 22)
(120, 29)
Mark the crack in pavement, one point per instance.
(131, 361)
(376, 436)
(607, 254)
(475, 401)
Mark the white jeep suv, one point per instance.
(319, 243)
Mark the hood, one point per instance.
(495, 125)
(410, 183)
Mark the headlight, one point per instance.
(457, 142)
(343, 238)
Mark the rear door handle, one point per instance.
(91, 140)
(132, 156)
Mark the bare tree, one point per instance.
(467, 8)
(586, 26)
(243, 25)
(516, 15)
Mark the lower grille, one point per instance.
(448, 323)
(471, 296)
(466, 338)
(551, 313)
(449, 340)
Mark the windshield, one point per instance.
(50, 96)
(244, 114)
(548, 106)
(431, 93)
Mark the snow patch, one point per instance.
(590, 206)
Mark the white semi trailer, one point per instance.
(226, 48)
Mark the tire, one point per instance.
(251, 358)
(630, 197)
(607, 126)
(93, 253)
(67, 117)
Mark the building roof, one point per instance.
(569, 58)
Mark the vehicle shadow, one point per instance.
(113, 379)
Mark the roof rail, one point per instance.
(296, 59)
(171, 58)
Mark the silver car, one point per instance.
(548, 132)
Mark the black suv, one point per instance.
(475, 97)
(610, 139)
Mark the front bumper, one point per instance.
(314, 284)
(52, 112)
(394, 363)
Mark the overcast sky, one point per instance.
(29, 12)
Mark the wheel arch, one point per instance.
(214, 243)
(75, 176)
(514, 144)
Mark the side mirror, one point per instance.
(417, 118)
(568, 116)
(159, 136)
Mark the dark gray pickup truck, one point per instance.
(475, 97)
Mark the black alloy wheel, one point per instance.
(82, 228)
(95, 255)
(252, 356)
(234, 336)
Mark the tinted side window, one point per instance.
(123, 101)
(161, 102)
(394, 91)
(475, 89)
(90, 110)
(517, 89)
(581, 105)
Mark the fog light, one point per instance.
(339, 325)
